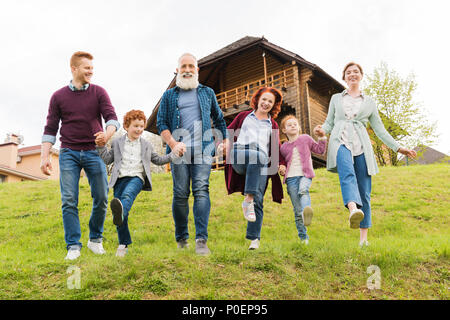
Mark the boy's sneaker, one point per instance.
(305, 242)
(72, 254)
(117, 211)
(249, 211)
(201, 248)
(254, 245)
(307, 215)
(96, 247)
(121, 250)
(183, 244)
(356, 216)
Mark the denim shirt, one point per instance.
(168, 117)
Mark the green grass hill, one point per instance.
(409, 243)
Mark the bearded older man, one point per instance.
(184, 116)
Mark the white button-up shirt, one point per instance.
(255, 132)
(349, 136)
(132, 160)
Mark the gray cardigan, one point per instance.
(335, 124)
(147, 154)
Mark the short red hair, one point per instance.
(286, 118)
(276, 106)
(77, 56)
(133, 115)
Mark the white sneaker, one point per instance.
(305, 242)
(122, 250)
(254, 245)
(363, 243)
(249, 211)
(96, 247)
(72, 254)
(355, 218)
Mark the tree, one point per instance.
(404, 118)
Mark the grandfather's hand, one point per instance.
(409, 153)
(282, 170)
(179, 149)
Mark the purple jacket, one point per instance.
(305, 145)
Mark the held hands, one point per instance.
(318, 131)
(222, 147)
(101, 139)
(409, 153)
(282, 170)
(179, 149)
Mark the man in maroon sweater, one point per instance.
(80, 107)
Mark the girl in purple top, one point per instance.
(299, 172)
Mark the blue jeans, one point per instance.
(182, 174)
(356, 183)
(254, 228)
(70, 164)
(126, 190)
(298, 190)
(249, 162)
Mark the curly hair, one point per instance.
(277, 104)
(133, 115)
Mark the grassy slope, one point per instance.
(409, 242)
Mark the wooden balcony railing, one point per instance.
(243, 93)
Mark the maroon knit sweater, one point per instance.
(80, 113)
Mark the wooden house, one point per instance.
(238, 70)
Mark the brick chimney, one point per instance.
(8, 151)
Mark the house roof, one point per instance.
(17, 173)
(33, 150)
(247, 42)
(428, 156)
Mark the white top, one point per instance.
(295, 169)
(349, 136)
(255, 132)
(132, 160)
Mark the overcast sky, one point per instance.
(136, 45)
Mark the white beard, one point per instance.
(187, 83)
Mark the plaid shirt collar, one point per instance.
(200, 86)
(83, 88)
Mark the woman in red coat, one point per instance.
(253, 156)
